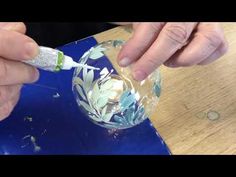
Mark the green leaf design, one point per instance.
(85, 70)
(107, 94)
(157, 89)
(84, 78)
(102, 102)
(118, 119)
(95, 118)
(88, 80)
(112, 125)
(96, 93)
(127, 102)
(124, 95)
(79, 89)
(121, 121)
(96, 55)
(89, 77)
(97, 52)
(118, 43)
(104, 111)
(86, 106)
(140, 114)
(99, 99)
(107, 85)
(78, 81)
(107, 117)
(96, 109)
(129, 114)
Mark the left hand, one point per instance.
(171, 44)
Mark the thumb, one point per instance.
(13, 26)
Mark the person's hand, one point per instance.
(14, 47)
(171, 44)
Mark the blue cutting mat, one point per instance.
(47, 121)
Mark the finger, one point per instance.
(136, 25)
(12, 72)
(172, 37)
(8, 107)
(5, 110)
(143, 37)
(14, 100)
(13, 26)
(17, 46)
(217, 54)
(8, 92)
(204, 43)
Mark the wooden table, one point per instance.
(197, 110)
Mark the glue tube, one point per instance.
(54, 60)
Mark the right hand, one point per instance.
(14, 47)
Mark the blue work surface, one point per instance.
(47, 120)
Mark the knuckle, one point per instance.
(151, 64)
(214, 37)
(225, 48)
(177, 33)
(156, 26)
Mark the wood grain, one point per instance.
(189, 94)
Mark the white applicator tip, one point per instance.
(69, 63)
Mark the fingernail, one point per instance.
(31, 50)
(124, 62)
(35, 76)
(139, 75)
(171, 65)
